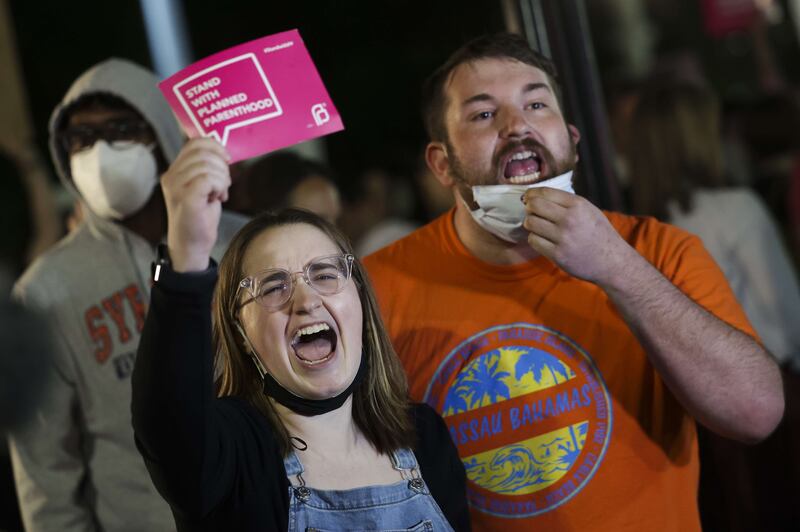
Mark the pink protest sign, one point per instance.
(254, 98)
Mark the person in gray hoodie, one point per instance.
(76, 466)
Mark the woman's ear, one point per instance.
(252, 352)
(245, 339)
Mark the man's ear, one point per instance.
(574, 133)
(439, 162)
(576, 138)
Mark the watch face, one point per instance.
(162, 254)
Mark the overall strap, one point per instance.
(292, 464)
(404, 459)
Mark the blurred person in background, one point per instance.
(793, 206)
(15, 218)
(285, 179)
(383, 202)
(76, 467)
(769, 132)
(23, 351)
(677, 175)
(382, 212)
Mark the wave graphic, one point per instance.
(529, 466)
(510, 469)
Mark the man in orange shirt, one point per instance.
(569, 349)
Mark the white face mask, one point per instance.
(115, 182)
(501, 209)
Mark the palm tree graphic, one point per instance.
(534, 361)
(479, 384)
(573, 446)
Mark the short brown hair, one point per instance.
(494, 46)
(380, 402)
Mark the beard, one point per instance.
(468, 177)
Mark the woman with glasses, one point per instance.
(307, 425)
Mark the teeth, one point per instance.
(522, 155)
(315, 362)
(311, 329)
(522, 179)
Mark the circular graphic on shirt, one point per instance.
(529, 413)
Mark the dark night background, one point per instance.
(372, 56)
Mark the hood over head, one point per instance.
(136, 86)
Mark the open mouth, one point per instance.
(523, 168)
(315, 344)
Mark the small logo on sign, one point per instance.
(320, 114)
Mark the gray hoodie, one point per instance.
(76, 465)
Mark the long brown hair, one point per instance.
(380, 402)
(675, 146)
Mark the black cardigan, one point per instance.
(215, 460)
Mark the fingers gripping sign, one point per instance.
(573, 233)
(195, 185)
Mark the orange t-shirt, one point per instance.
(560, 419)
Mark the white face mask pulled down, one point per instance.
(115, 181)
(501, 211)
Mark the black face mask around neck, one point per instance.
(311, 407)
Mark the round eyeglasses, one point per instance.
(274, 287)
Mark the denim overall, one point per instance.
(405, 505)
